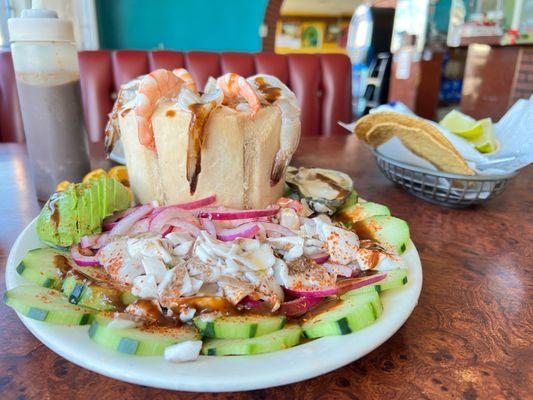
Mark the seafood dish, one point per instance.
(194, 259)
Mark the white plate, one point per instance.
(219, 374)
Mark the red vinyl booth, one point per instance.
(322, 83)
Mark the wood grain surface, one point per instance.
(469, 337)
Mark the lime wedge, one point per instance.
(462, 125)
(486, 143)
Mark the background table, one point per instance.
(469, 337)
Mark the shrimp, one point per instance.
(157, 85)
(233, 85)
(274, 92)
(127, 92)
(210, 85)
(183, 74)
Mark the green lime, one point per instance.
(462, 125)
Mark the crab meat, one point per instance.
(235, 289)
(373, 256)
(150, 245)
(291, 247)
(118, 263)
(303, 274)
(269, 291)
(343, 245)
(177, 283)
(145, 310)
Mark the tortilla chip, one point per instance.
(363, 125)
(380, 133)
(423, 145)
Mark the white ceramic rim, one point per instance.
(223, 374)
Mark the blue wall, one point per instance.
(217, 25)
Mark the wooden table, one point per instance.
(469, 337)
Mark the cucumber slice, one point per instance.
(44, 266)
(278, 340)
(46, 305)
(341, 317)
(360, 211)
(90, 294)
(142, 341)
(395, 278)
(128, 298)
(239, 326)
(389, 231)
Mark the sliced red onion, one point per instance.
(321, 258)
(346, 285)
(209, 226)
(161, 218)
(342, 286)
(224, 214)
(141, 226)
(270, 227)
(110, 221)
(247, 230)
(299, 306)
(125, 224)
(190, 205)
(249, 303)
(313, 293)
(169, 229)
(236, 222)
(181, 226)
(107, 226)
(102, 240)
(89, 242)
(81, 260)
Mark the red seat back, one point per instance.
(11, 129)
(322, 83)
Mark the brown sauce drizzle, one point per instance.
(270, 93)
(200, 115)
(342, 191)
(320, 308)
(148, 311)
(62, 264)
(54, 210)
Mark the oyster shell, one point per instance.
(322, 190)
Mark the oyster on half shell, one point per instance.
(322, 190)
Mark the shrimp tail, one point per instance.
(111, 133)
(281, 161)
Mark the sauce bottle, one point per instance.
(48, 82)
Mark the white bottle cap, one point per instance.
(39, 25)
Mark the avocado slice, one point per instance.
(83, 209)
(107, 200)
(122, 196)
(359, 211)
(91, 192)
(389, 231)
(80, 209)
(67, 205)
(48, 222)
